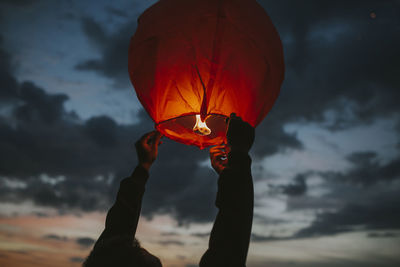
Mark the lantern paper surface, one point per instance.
(207, 58)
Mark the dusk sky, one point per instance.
(326, 160)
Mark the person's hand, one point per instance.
(147, 148)
(240, 135)
(219, 157)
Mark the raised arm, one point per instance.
(123, 217)
(230, 236)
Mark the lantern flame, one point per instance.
(201, 127)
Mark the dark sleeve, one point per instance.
(123, 217)
(230, 236)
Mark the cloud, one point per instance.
(376, 214)
(76, 259)
(55, 237)
(383, 235)
(333, 62)
(38, 106)
(297, 188)
(201, 235)
(103, 130)
(178, 184)
(85, 241)
(116, 12)
(271, 138)
(171, 243)
(169, 234)
(367, 170)
(95, 33)
(261, 238)
(365, 197)
(113, 48)
(7, 80)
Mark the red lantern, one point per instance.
(205, 59)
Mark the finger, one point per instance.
(157, 138)
(149, 137)
(156, 142)
(217, 148)
(214, 149)
(145, 138)
(218, 154)
(219, 158)
(234, 118)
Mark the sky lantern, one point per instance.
(194, 62)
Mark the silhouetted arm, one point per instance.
(230, 236)
(123, 217)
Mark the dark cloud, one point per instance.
(261, 238)
(367, 170)
(38, 106)
(337, 65)
(76, 259)
(170, 234)
(266, 220)
(365, 197)
(271, 138)
(7, 80)
(200, 235)
(171, 243)
(178, 184)
(85, 241)
(55, 237)
(375, 214)
(371, 213)
(116, 12)
(40, 214)
(113, 48)
(307, 202)
(383, 235)
(297, 188)
(103, 130)
(95, 33)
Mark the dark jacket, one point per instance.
(230, 236)
(123, 217)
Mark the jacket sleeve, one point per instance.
(123, 217)
(230, 236)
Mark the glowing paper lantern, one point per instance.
(205, 59)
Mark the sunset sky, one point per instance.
(326, 161)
